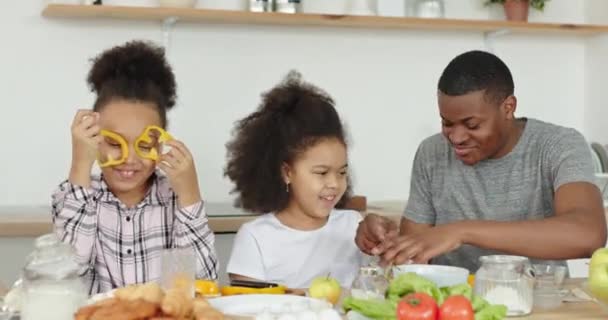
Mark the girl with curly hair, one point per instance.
(120, 221)
(288, 159)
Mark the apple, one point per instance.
(600, 256)
(598, 282)
(325, 288)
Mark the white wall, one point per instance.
(383, 81)
(596, 65)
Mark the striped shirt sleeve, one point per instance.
(191, 229)
(75, 220)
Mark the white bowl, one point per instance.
(250, 305)
(443, 276)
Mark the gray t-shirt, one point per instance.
(518, 186)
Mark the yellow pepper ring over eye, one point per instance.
(160, 136)
(163, 136)
(124, 150)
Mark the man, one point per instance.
(492, 183)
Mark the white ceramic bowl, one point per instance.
(443, 276)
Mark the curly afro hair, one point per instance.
(292, 117)
(137, 71)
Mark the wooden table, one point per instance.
(570, 310)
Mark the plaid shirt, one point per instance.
(121, 245)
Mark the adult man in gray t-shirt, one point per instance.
(491, 182)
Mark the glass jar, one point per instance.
(370, 283)
(52, 287)
(260, 5)
(287, 6)
(507, 280)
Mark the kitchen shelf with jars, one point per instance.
(293, 13)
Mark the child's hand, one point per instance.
(179, 167)
(85, 141)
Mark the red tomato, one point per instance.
(417, 306)
(456, 308)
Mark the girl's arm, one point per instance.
(191, 229)
(74, 214)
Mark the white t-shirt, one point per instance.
(267, 250)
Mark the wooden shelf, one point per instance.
(370, 22)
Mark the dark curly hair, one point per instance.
(292, 117)
(477, 70)
(137, 71)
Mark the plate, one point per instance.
(100, 296)
(253, 304)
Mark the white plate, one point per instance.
(101, 296)
(354, 315)
(253, 304)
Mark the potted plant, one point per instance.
(517, 10)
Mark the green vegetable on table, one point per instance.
(410, 282)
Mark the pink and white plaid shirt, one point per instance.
(122, 246)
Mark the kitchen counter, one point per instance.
(35, 221)
(223, 218)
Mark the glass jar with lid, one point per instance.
(507, 280)
(371, 282)
(52, 286)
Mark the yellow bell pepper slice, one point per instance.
(145, 138)
(124, 149)
(207, 288)
(471, 280)
(233, 290)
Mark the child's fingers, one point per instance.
(183, 152)
(166, 168)
(85, 117)
(97, 139)
(177, 154)
(81, 113)
(92, 131)
(87, 122)
(169, 159)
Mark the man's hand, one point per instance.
(423, 246)
(373, 231)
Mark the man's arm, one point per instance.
(408, 226)
(576, 230)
